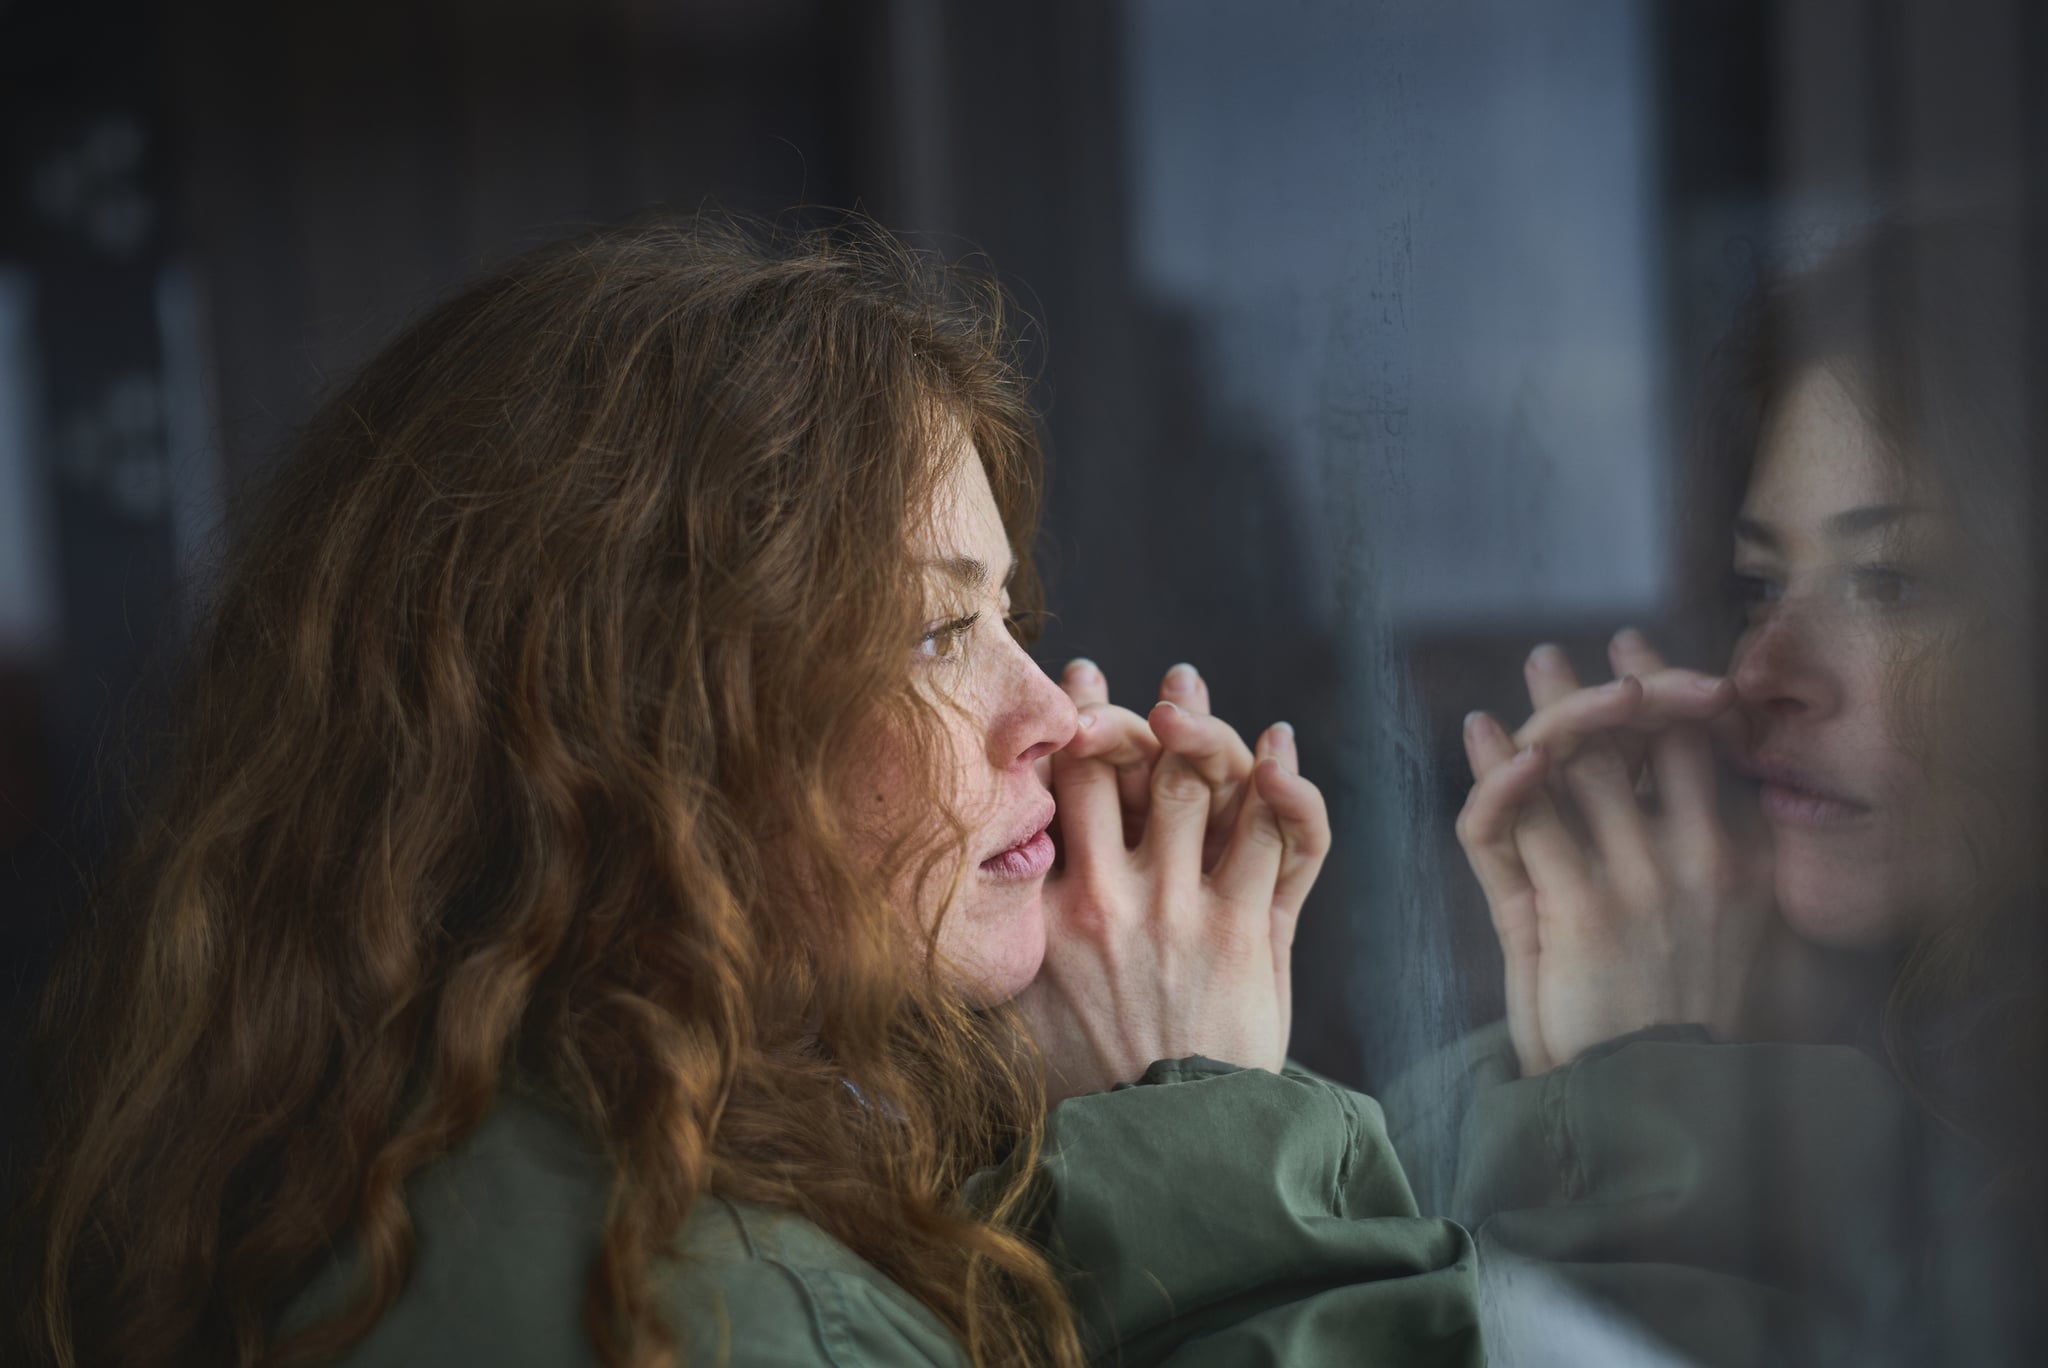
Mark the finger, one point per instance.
(1549, 675)
(1599, 781)
(1506, 779)
(1228, 802)
(1630, 652)
(1681, 757)
(1564, 725)
(1084, 682)
(1220, 756)
(1126, 742)
(1664, 698)
(1551, 855)
(1596, 775)
(1210, 745)
(1114, 736)
(1090, 817)
(1303, 826)
(1241, 866)
(1184, 685)
(1089, 775)
(1179, 813)
(1249, 871)
(1305, 837)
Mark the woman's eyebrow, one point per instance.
(1846, 525)
(970, 572)
(1857, 522)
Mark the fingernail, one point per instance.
(1181, 678)
(1709, 686)
(1629, 637)
(1283, 746)
(1166, 703)
(1548, 656)
(1082, 667)
(1475, 722)
(1618, 686)
(1085, 721)
(1529, 756)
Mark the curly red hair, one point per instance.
(556, 632)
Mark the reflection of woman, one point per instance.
(608, 828)
(1875, 882)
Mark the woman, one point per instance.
(1865, 894)
(605, 866)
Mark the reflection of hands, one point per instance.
(1613, 913)
(1156, 950)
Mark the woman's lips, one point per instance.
(1025, 861)
(1784, 804)
(1790, 795)
(1029, 855)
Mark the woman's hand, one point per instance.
(1152, 951)
(1617, 908)
(1179, 723)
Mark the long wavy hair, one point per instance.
(1936, 327)
(513, 747)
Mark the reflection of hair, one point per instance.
(514, 748)
(1931, 328)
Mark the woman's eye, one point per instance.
(1021, 626)
(1752, 592)
(946, 640)
(1883, 585)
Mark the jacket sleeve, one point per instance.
(1737, 1204)
(1209, 1216)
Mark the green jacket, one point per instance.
(1666, 1198)
(1210, 1216)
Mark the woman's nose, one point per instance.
(1035, 717)
(1781, 667)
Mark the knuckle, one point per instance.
(1642, 887)
(1178, 782)
(1718, 873)
(1090, 918)
(1264, 834)
(1593, 764)
(1310, 837)
(1228, 935)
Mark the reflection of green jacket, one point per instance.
(1207, 1216)
(1730, 1204)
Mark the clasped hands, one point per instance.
(1184, 858)
(1624, 891)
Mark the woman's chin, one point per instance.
(1844, 906)
(996, 937)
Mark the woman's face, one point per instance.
(1003, 715)
(1847, 561)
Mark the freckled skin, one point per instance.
(1004, 716)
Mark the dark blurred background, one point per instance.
(1368, 329)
